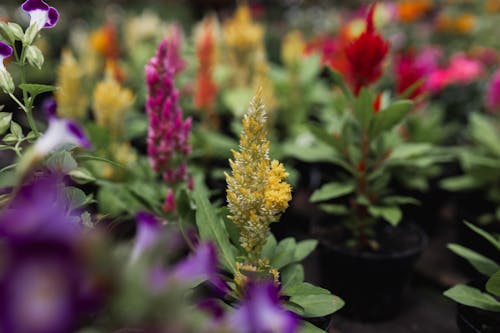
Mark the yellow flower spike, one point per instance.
(256, 192)
(292, 48)
(241, 32)
(111, 103)
(70, 97)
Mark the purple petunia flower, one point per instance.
(201, 266)
(41, 14)
(5, 52)
(59, 133)
(45, 285)
(261, 311)
(37, 212)
(6, 83)
(147, 234)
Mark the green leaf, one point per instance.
(5, 118)
(334, 209)
(390, 116)
(484, 132)
(36, 89)
(309, 68)
(459, 183)
(269, 247)
(307, 327)
(237, 99)
(316, 301)
(470, 296)
(61, 161)
(10, 139)
(82, 176)
(291, 275)
(339, 80)
(211, 227)
(76, 198)
(482, 264)
(363, 108)
(494, 241)
(326, 137)
(284, 253)
(331, 191)
(391, 214)
(16, 129)
(304, 248)
(400, 200)
(493, 284)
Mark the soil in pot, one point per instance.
(371, 283)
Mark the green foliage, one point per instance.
(473, 296)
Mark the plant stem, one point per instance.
(27, 102)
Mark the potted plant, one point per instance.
(257, 195)
(360, 139)
(478, 184)
(478, 301)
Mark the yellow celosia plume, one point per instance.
(71, 99)
(240, 32)
(256, 192)
(111, 103)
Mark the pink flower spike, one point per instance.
(493, 93)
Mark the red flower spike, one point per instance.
(365, 55)
(377, 102)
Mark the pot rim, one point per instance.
(414, 251)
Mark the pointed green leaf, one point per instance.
(493, 284)
(291, 275)
(363, 108)
(36, 89)
(5, 118)
(494, 241)
(482, 264)
(470, 296)
(391, 214)
(211, 227)
(390, 116)
(304, 248)
(331, 191)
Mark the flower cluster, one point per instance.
(256, 191)
(110, 104)
(168, 133)
(206, 52)
(366, 54)
(71, 99)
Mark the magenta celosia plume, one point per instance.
(168, 133)
(493, 93)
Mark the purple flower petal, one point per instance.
(78, 133)
(49, 107)
(201, 266)
(261, 311)
(31, 5)
(59, 133)
(148, 233)
(5, 50)
(41, 14)
(53, 17)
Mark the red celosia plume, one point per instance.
(366, 54)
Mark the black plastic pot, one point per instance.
(371, 284)
(472, 320)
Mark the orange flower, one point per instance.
(105, 41)
(492, 6)
(412, 10)
(465, 23)
(206, 48)
(444, 22)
